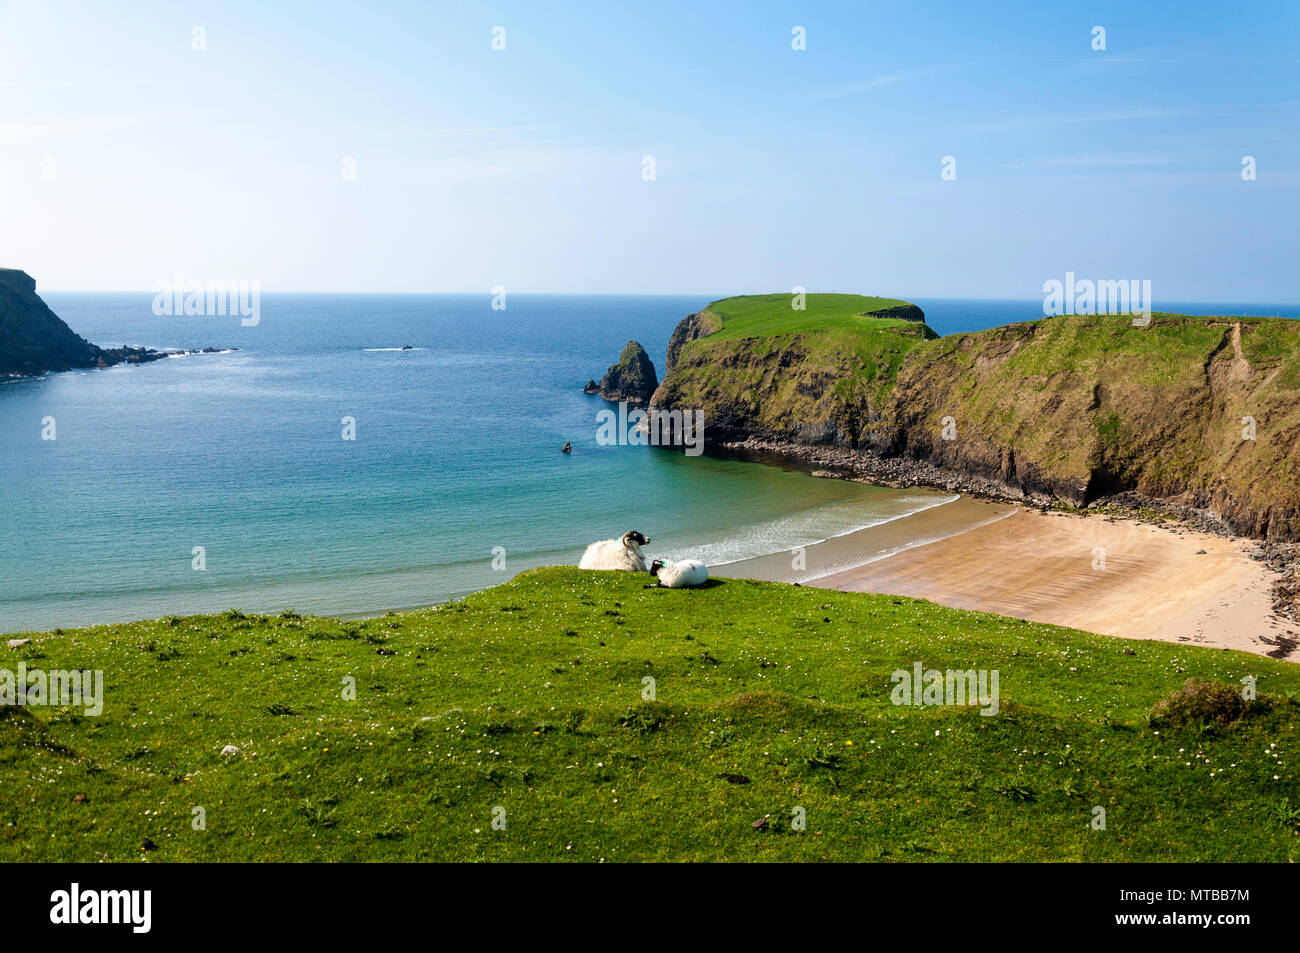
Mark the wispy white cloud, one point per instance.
(1101, 161)
(1120, 115)
(43, 84)
(39, 130)
(435, 130)
(889, 79)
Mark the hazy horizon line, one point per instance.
(634, 294)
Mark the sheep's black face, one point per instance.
(635, 537)
(655, 566)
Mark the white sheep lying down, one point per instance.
(682, 574)
(622, 554)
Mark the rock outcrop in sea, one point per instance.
(632, 379)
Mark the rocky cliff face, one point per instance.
(825, 387)
(1199, 411)
(688, 329)
(34, 340)
(632, 379)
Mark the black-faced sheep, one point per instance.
(680, 575)
(622, 553)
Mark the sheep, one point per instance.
(622, 554)
(679, 575)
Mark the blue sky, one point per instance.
(127, 156)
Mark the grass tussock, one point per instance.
(1204, 702)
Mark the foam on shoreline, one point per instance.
(860, 546)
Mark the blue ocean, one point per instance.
(205, 482)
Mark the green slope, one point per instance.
(528, 697)
(765, 315)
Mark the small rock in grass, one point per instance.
(761, 823)
(229, 750)
(15, 643)
(79, 799)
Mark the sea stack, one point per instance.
(632, 379)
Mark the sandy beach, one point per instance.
(1113, 576)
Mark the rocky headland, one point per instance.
(1192, 420)
(34, 340)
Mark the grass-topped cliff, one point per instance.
(1073, 406)
(755, 364)
(529, 698)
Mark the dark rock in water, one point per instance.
(407, 347)
(591, 388)
(35, 340)
(567, 448)
(632, 379)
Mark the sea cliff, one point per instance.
(35, 340)
(1201, 412)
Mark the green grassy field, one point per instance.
(526, 700)
(763, 315)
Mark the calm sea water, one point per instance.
(456, 454)
(456, 458)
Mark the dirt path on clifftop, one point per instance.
(1156, 582)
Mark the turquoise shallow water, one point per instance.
(457, 453)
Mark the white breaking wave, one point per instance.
(808, 528)
(910, 544)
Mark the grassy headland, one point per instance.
(1201, 410)
(811, 374)
(528, 697)
(766, 315)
